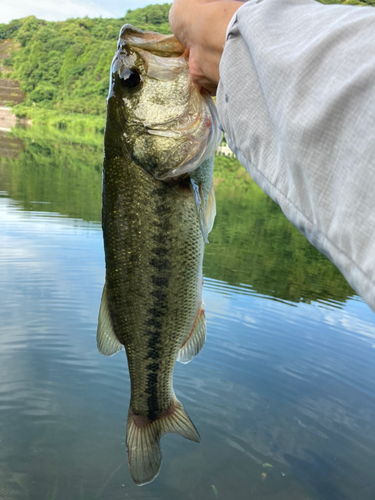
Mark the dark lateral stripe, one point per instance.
(159, 295)
(162, 210)
(153, 353)
(165, 225)
(159, 264)
(160, 251)
(157, 310)
(153, 367)
(156, 323)
(159, 281)
(160, 239)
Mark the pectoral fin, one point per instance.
(195, 341)
(206, 209)
(199, 202)
(210, 210)
(107, 342)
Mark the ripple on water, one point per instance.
(284, 383)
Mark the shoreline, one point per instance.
(8, 119)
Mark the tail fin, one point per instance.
(143, 440)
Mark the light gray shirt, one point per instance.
(296, 100)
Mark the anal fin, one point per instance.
(143, 440)
(107, 342)
(194, 343)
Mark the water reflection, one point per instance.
(286, 378)
(252, 243)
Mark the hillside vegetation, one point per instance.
(63, 67)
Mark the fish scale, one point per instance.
(170, 294)
(154, 236)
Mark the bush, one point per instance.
(43, 92)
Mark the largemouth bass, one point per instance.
(158, 207)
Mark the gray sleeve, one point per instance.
(296, 100)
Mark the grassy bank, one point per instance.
(77, 122)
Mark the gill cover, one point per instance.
(177, 126)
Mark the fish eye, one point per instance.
(130, 78)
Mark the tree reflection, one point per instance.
(252, 242)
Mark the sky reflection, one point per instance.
(285, 383)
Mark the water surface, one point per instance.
(282, 394)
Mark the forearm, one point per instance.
(297, 104)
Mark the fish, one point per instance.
(158, 207)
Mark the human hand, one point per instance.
(200, 25)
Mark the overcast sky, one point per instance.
(52, 10)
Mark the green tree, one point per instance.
(73, 57)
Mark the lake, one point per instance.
(282, 393)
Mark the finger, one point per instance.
(201, 77)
